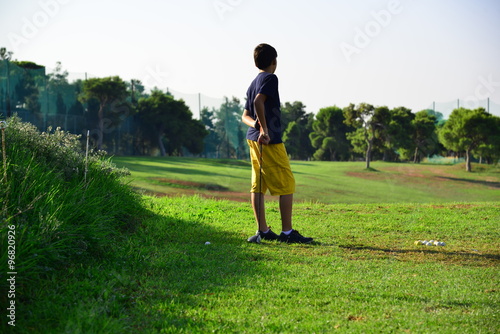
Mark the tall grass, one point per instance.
(58, 215)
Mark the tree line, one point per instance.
(158, 123)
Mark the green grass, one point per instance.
(364, 274)
(325, 182)
(52, 216)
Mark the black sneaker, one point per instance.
(294, 237)
(270, 235)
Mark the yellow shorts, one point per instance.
(277, 175)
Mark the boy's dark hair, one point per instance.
(264, 55)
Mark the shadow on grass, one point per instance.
(182, 274)
(478, 182)
(469, 255)
(180, 161)
(161, 277)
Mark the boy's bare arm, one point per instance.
(247, 119)
(260, 110)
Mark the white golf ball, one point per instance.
(207, 243)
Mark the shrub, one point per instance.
(61, 211)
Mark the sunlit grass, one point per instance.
(363, 272)
(144, 266)
(326, 182)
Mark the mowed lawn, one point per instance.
(364, 274)
(325, 182)
(187, 267)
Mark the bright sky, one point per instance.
(384, 52)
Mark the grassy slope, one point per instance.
(326, 182)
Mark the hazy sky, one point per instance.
(388, 52)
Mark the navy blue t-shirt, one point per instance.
(267, 84)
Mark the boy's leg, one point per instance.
(258, 205)
(286, 204)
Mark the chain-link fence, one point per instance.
(52, 100)
(447, 107)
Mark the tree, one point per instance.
(466, 130)
(230, 130)
(111, 93)
(307, 150)
(297, 125)
(76, 107)
(437, 115)
(368, 122)
(6, 56)
(169, 124)
(292, 139)
(395, 131)
(207, 118)
(292, 112)
(27, 92)
(60, 105)
(57, 83)
(195, 135)
(58, 78)
(423, 134)
(135, 90)
(490, 150)
(329, 135)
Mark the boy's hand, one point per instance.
(263, 138)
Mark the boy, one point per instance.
(268, 154)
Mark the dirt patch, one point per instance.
(227, 195)
(189, 188)
(408, 178)
(416, 171)
(415, 175)
(420, 254)
(188, 184)
(364, 175)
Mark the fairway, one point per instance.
(363, 275)
(325, 182)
